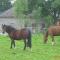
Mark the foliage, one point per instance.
(49, 8)
(37, 13)
(20, 7)
(31, 5)
(55, 9)
(49, 21)
(4, 5)
(39, 8)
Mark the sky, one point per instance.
(12, 1)
(46, 0)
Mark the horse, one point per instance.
(52, 31)
(15, 34)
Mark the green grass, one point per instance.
(40, 51)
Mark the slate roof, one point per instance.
(8, 13)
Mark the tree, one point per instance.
(31, 5)
(51, 8)
(20, 7)
(48, 8)
(39, 8)
(4, 5)
(55, 9)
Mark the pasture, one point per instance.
(40, 51)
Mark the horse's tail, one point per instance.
(45, 37)
(29, 39)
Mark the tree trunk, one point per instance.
(55, 18)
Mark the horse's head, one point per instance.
(7, 28)
(3, 28)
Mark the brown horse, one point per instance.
(14, 34)
(52, 31)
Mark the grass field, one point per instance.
(40, 51)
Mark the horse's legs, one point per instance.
(12, 43)
(25, 44)
(52, 40)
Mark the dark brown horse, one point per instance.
(14, 34)
(52, 31)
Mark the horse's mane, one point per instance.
(10, 28)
